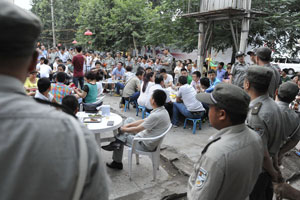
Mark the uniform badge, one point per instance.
(201, 178)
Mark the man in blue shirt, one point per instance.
(213, 80)
(118, 72)
(221, 71)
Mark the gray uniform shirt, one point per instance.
(275, 81)
(110, 63)
(238, 72)
(168, 59)
(39, 150)
(291, 121)
(230, 166)
(265, 118)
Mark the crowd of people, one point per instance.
(46, 153)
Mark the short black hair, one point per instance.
(70, 102)
(234, 117)
(211, 71)
(182, 80)
(60, 60)
(91, 75)
(62, 66)
(163, 70)
(97, 62)
(197, 73)
(158, 79)
(128, 68)
(148, 68)
(61, 77)
(139, 73)
(78, 49)
(43, 84)
(42, 58)
(205, 81)
(221, 63)
(69, 60)
(183, 69)
(159, 96)
(121, 63)
(46, 61)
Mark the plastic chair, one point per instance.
(143, 108)
(195, 121)
(154, 155)
(127, 105)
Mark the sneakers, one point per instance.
(175, 126)
(117, 95)
(115, 165)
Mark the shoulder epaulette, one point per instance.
(206, 147)
(256, 108)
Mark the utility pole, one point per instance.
(53, 31)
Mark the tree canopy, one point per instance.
(129, 24)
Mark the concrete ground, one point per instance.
(180, 150)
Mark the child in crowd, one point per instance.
(44, 87)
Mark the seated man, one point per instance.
(185, 73)
(204, 82)
(154, 125)
(43, 92)
(159, 83)
(127, 76)
(71, 103)
(186, 103)
(196, 84)
(213, 81)
(118, 72)
(59, 90)
(132, 88)
(168, 79)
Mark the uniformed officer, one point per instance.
(286, 94)
(167, 61)
(45, 153)
(119, 58)
(263, 58)
(264, 117)
(252, 54)
(110, 62)
(239, 70)
(230, 163)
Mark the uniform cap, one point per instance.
(288, 90)
(259, 75)
(264, 54)
(227, 96)
(252, 51)
(239, 54)
(19, 30)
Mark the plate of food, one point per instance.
(96, 115)
(92, 120)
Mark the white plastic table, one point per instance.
(98, 128)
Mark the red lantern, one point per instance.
(74, 42)
(88, 32)
(59, 45)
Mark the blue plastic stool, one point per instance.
(127, 105)
(195, 121)
(143, 108)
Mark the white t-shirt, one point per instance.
(177, 71)
(45, 70)
(144, 95)
(188, 96)
(168, 79)
(151, 90)
(39, 95)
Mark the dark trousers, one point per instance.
(263, 189)
(80, 80)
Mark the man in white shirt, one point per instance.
(45, 70)
(168, 79)
(63, 55)
(159, 82)
(186, 103)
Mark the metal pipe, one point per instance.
(53, 30)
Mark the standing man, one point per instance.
(45, 151)
(167, 61)
(221, 71)
(252, 54)
(264, 118)
(239, 70)
(110, 63)
(263, 58)
(231, 162)
(78, 62)
(63, 54)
